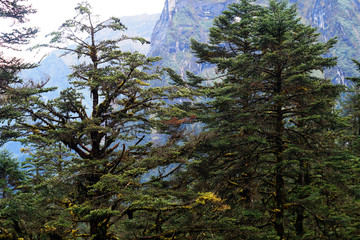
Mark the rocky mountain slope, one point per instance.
(185, 19)
(180, 21)
(336, 18)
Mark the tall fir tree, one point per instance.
(270, 123)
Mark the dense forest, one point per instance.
(265, 149)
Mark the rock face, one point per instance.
(180, 21)
(336, 18)
(185, 19)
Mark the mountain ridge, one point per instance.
(333, 18)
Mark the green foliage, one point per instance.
(12, 179)
(270, 128)
(351, 110)
(10, 174)
(259, 152)
(87, 162)
(11, 66)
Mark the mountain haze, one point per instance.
(56, 68)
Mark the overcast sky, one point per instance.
(52, 13)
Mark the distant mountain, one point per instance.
(336, 18)
(180, 21)
(185, 19)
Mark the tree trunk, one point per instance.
(279, 199)
(279, 171)
(303, 180)
(98, 229)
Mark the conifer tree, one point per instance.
(351, 109)
(11, 178)
(269, 119)
(89, 160)
(14, 12)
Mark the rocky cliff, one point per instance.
(185, 19)
(180, 21)
(336, 18)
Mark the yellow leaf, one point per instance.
(287, 205)
(24, 150)
(74, 232)
(142, 83)
(223, 208)
(208, 196)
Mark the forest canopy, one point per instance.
(266, 149)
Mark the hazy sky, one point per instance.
(52, 13)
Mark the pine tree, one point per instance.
(270, 124)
